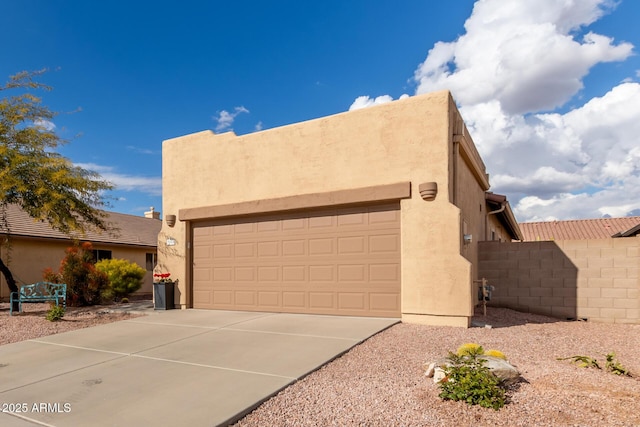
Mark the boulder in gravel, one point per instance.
(499, 367)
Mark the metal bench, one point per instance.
(39, 292)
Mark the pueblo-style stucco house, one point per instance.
(375, 212)
(30, 246)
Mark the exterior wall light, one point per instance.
(428, 190)
(171, 220)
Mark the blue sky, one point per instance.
(535, 81)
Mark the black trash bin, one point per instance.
(15, 305)
(163, 295)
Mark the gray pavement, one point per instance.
(175, 367)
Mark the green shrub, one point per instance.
(55, 313)
(583, 361)
(124, 277)
(468, 379)
(85, 284)
(612, 365)
(615, 367)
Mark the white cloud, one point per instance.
(258, 126)
(44, 124)
(225, 119)
(365, 101)
(522, 54)
(142, 150)
(517, 62)
(149, 185)
(590, 151)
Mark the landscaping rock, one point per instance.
(499, 367)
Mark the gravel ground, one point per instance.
(381, 382)
(31, 323)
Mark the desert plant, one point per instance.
(85, 284)
(615, 367)
(469, 348)
(495, 353)
(582, 361)
(51, 276)
(473, 348)
(125, 300)
(55, 313)
(124, 277)
(611, 364)
(468, 379)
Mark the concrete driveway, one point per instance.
(176, 367)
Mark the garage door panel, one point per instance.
(268, 226)
(268, 249)
(293, 248)
(244, 250)
(203, 297)
(322, 273)
(351, 218)
(202, 274)
(269, 299)
(269, 274)
(352, 301)
(321, 246)
(246, 298)
(294, 300)
(293, 224)
(384, 272)
(321, 223)
(352, 273)
(222, 230)
(322, 301)
(222, 298)
(245, 274)
(244, 228)
(294, 273)
(382, 216)
(384, 243)
(384, 302)
(222, 251)
(335, 261)
(352, 245)
(202, 252)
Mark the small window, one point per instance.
(152, 261)
(100, 254)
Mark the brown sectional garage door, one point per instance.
(341, 261)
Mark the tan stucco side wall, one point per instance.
(28, 258)
(408, 140)
(500, 233)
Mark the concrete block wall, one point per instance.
(596, 280)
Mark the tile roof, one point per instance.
(579, 229)
(125, 229)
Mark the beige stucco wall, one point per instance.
(28, 258)
(407, 140)
(500, 233)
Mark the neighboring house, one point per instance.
(581, 229)
(33, 245)
(586, 269)
(374, 212)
